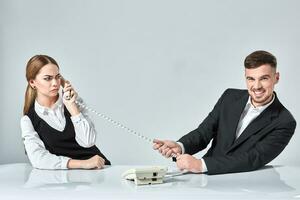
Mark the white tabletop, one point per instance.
(21, 181)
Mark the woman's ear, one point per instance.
(32, 84)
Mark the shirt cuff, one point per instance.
(182, 147)
(64, 162)
(77, 118)
(204, 168)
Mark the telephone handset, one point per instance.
(63, 81)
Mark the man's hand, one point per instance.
(189, 163)
(167, 147)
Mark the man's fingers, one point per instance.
(156, 146)
(164, 152)
(160, 149)
(169, 153)
(179, 156)
(158, 141)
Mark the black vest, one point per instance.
(62, 143)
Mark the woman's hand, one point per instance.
(95, 162)
(69, 98)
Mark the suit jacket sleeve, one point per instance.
(262, 153)
(199, 138)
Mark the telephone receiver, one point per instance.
(63, 82)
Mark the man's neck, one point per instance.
(262, 104)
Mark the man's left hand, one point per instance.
(189, 163)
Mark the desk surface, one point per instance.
(21, 181)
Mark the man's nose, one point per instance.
(257, 85)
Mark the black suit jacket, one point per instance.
(262, 140)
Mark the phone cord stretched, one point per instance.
(118, 124)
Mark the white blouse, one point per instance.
(39, 156)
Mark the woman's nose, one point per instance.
(54, 82)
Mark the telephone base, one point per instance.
(146, 176)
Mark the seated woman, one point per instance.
(57, 133)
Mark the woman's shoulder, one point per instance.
(26, 119)
(26, 124)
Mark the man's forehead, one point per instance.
(260, 71)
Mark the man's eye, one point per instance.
(264, 78)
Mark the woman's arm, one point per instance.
(41, 158)
(85, 133)
(38, 155)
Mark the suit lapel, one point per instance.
(260, 122)
(236, 110)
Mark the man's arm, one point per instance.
(262, 153)
(199, 138)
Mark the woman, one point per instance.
(57, 133)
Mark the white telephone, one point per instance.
(146, 175)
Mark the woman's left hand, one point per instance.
(69, 98)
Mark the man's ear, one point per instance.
(277, 75)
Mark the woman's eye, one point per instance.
(47, 78)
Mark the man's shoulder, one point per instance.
(234, 93)
(284, 113)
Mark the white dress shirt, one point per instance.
(248, 115)
(39, 156)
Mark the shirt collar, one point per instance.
(45, 110)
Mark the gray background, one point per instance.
(156, 66)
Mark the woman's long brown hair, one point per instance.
(34, 65)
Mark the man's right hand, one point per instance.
(167, 148)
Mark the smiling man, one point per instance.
(248, 128)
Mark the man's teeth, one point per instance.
(258, 92)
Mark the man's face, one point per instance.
(260, 83)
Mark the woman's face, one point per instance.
(47, 81)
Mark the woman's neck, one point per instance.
(46, 101)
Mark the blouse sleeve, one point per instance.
(38, 155)
(85, 133)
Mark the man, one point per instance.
(248, 129)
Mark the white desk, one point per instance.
(21, 181)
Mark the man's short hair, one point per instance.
(259, 58)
